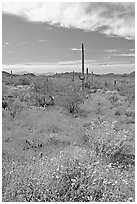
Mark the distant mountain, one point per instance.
(132, 74)
(22, 72)
(45, 74)
(29, 74)
(67, 74)
(34, 74)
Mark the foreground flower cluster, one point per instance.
(77, 174)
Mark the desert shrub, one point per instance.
(130, 113)
(44, 86)
(129, 120)
(88, 84)
(15, 108)
(71, 100)
(39, 86)
(118, 111)
(4, 104)
(36, 99)
(113, 99)
(8, 80)
(24, 96)
(4, 90)
(55, 140)
(98, 83)
(53, 128)
(32, 144)
(24, 81)
(126, 89)
(40, 100)
(98, 110)
(60, 85)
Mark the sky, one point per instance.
(42, 37)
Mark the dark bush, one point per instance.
(24, 81)
(71, 100)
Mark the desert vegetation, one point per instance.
(68, 141)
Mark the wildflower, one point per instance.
(130, 199)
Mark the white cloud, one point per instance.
(124, 55)
(114, 50)
(75, 49)
(132, 50)
(112, 19)
(5, 44)
(41, 40)
(78, 49)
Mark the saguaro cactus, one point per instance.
(87, 73)
(73, 76)
(92, 74)
(11, 74)
(82, 59)
(82, 77)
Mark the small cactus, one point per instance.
(115, 82)
(92, 74)
(11, 74)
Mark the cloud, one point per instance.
(114, 50)
(78, 49)
(132, 50)
(5, 44)
(112, 19)
(41, 40)
(124, 55)
(75, 49)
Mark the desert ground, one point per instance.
(62, 143)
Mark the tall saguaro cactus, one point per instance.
(87, 74)
(82, 77)
(82, 60)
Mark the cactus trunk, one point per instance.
(82, 77)
(11, 74)
(73, 76)
(87, 74)
(92, 77)
(82, 60)
(83, 67)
